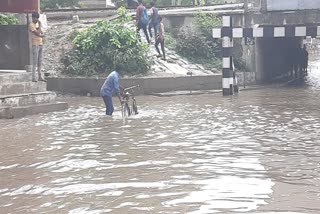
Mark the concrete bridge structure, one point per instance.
(268, 57)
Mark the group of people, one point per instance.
(154, 23)
(148, 24)
(111, 84)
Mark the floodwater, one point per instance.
(258, 152)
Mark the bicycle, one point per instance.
(125, 108)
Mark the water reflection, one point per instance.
(258, 152)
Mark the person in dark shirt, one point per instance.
(305, 59)
(154, 20)
(296, 61)
(110, 86)
(139, 23)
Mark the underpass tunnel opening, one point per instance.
(276, 58)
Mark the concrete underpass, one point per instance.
(275, 58)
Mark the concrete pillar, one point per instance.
(22, 18)
(263, 5)
(227, 63)
(75, 19)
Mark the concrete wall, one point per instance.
(299, 17)
(275, 5)
(93, 3)
(83, 86)
(14, 47)
(246, 78)
(175, 24)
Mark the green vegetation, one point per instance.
(240, 64)
(197, 44)
(171, 42)
(205, 23)
(8, 20)
(98, 48)
(73, 35)
(51, 4)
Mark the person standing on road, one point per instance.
(295, 62)
(142, 20)
(154, 20)
(160, 40)
(37, 44)
(111, 86)
(305, 60)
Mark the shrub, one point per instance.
(99, 47)
(73, 35)
(206, 22)
(197, 43)
(8, 20)
(239, 64)
(171, 42)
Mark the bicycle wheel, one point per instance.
(125, 110)
(134, 107)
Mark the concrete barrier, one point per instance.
(14, 47)
(85, 86)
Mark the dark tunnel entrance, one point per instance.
(277, 57)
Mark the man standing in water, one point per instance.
(37, 43)
(305, 59)
(111, 86)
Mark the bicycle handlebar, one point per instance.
(132, 87)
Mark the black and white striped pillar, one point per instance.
(227, 61)
(227, 33)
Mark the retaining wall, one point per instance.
(85, 86)
(14, 47)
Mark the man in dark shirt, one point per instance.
(139, 23)
(154, 20)
(305, 59)
(110, 86)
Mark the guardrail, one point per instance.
(116, 8)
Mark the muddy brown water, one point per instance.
(258, 152)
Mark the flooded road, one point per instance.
(258, 152)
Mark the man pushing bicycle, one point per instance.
(111, 86)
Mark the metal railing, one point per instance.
(252, 5)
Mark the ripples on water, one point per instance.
(255, 153)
